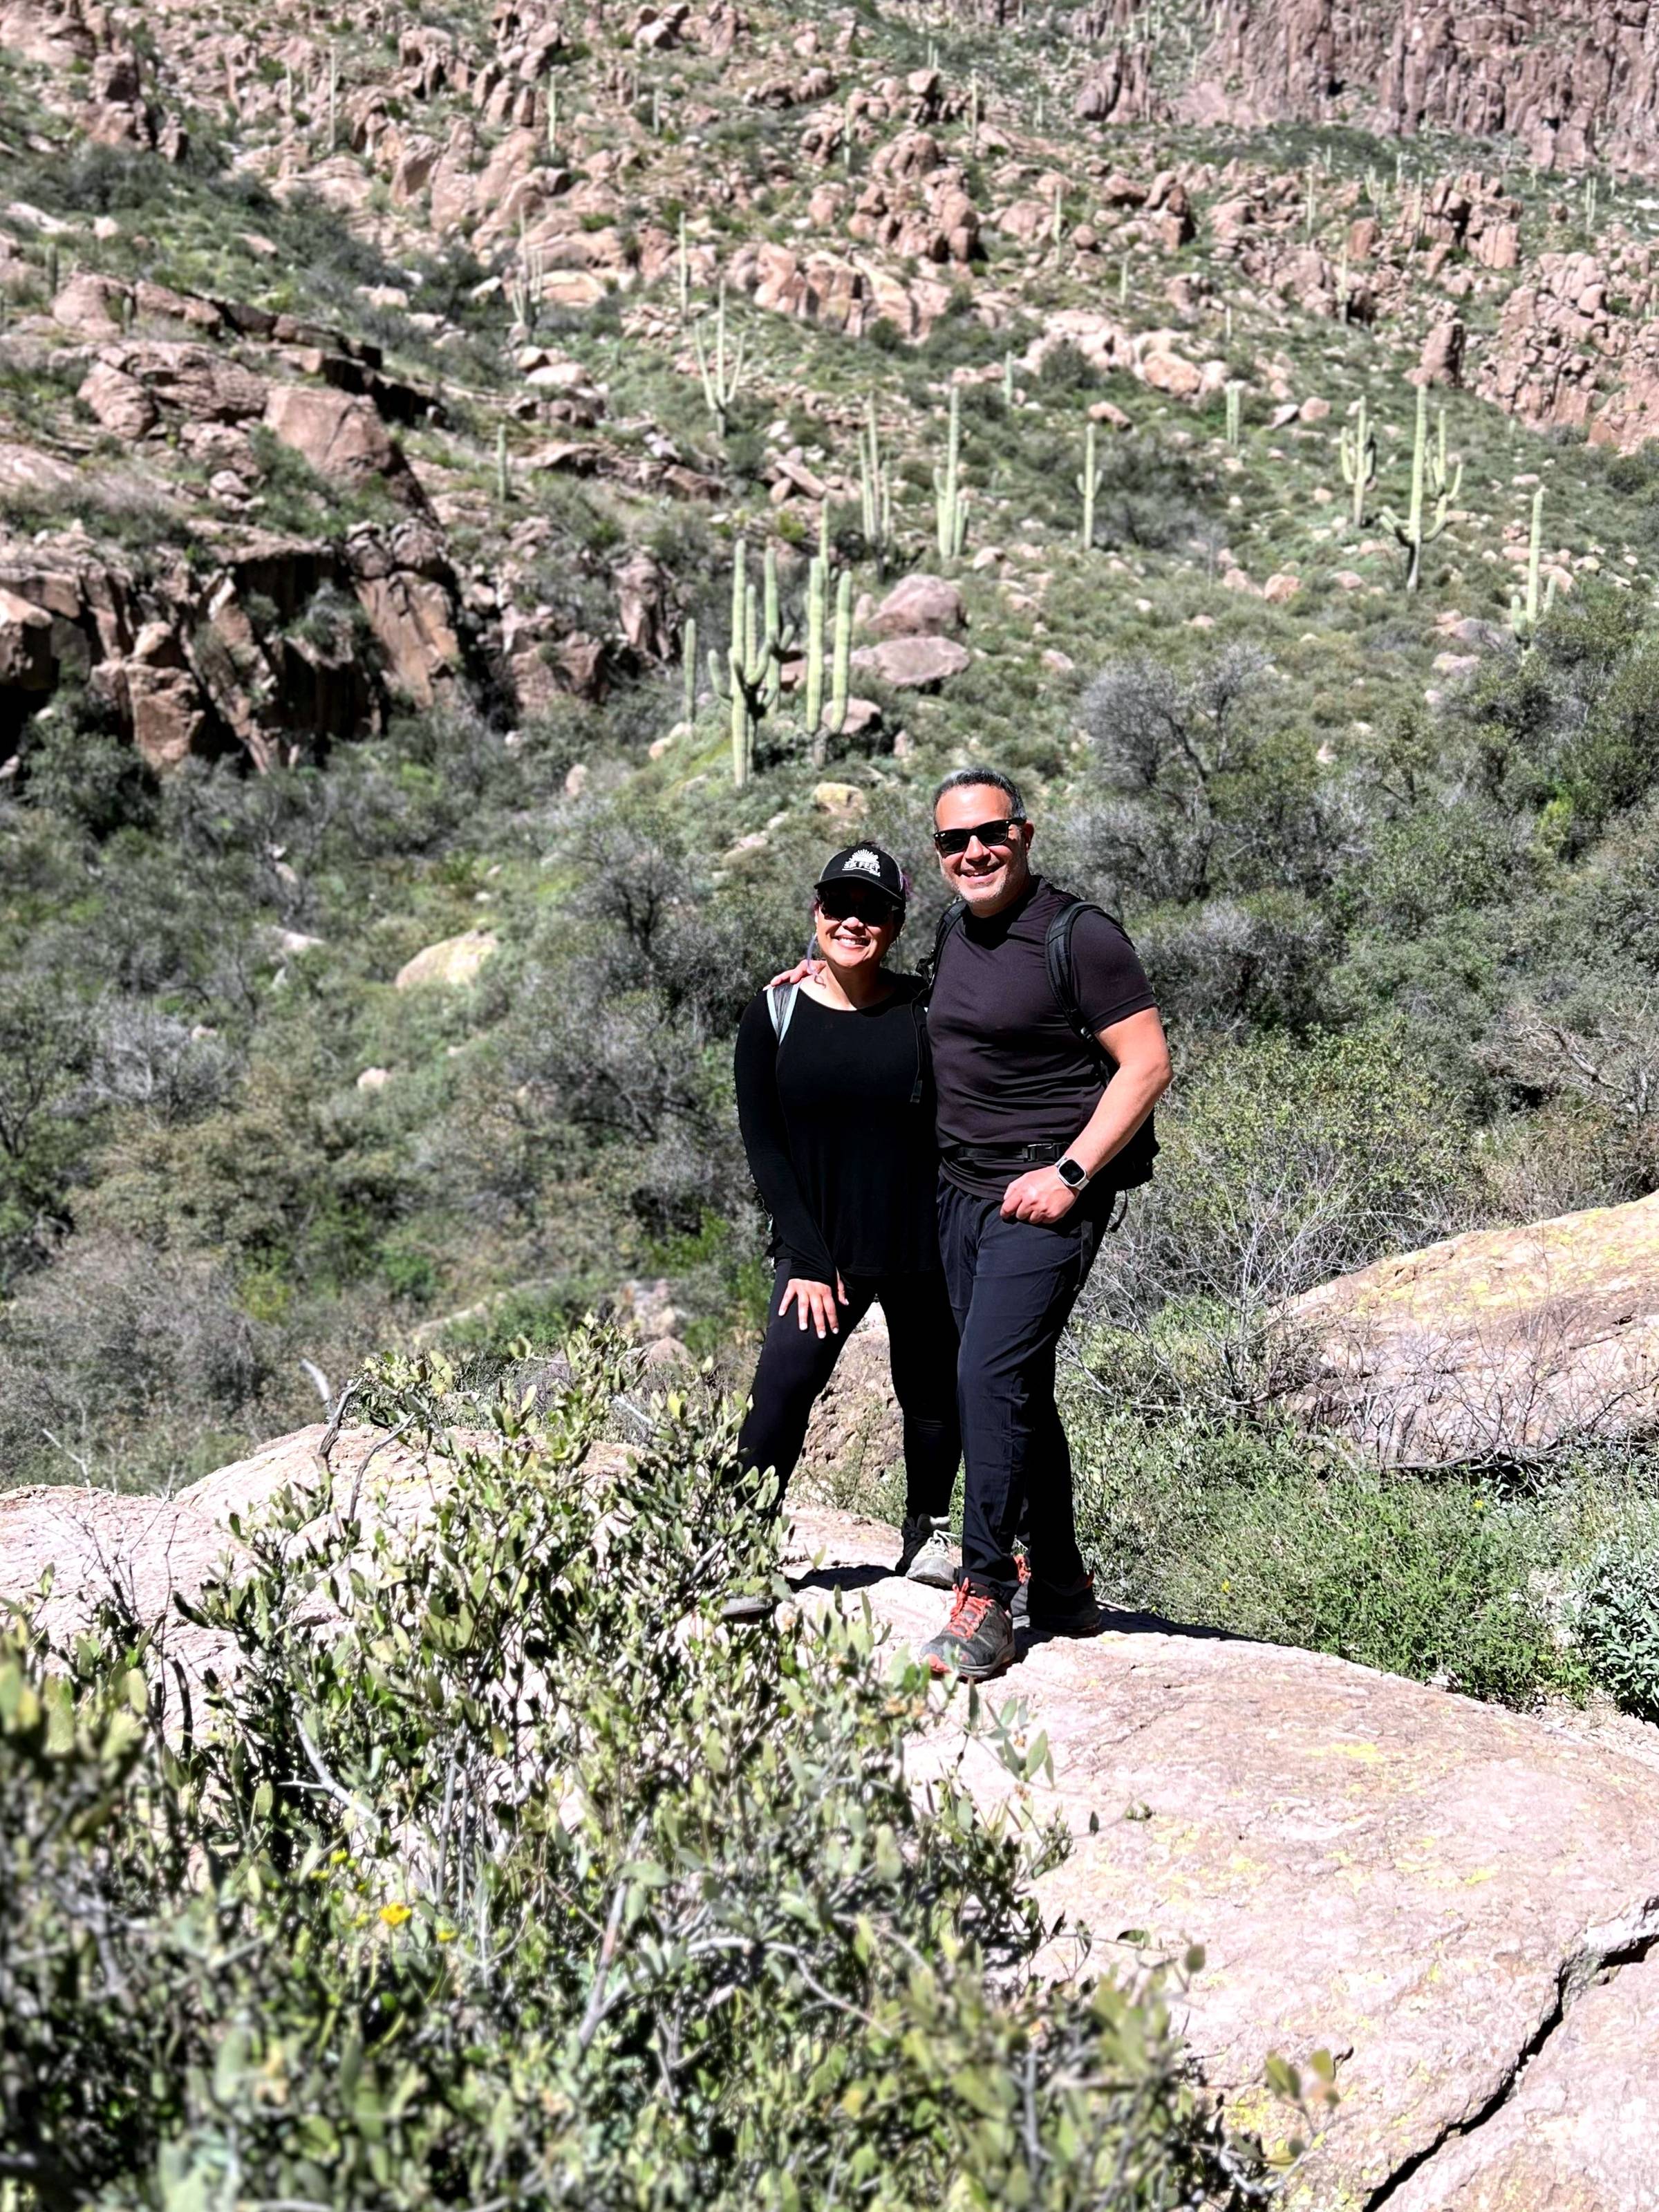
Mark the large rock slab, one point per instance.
(914, 664)
(1457, 1902)
(1493, 1343)
(1428, 1887)
(921, 606)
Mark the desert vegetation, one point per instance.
(494, 1891)
(443, 510)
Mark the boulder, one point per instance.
(119, 403)
(338, 433)
(453, 961)
(845, 799)
(195, 382)
(91, 305)
(405, 587)
(27, 473)
(1438, 1893)
(921, 606)
(1492, 1344)
(914, 664)
(1461, 1904)
(1442, 358)
(856, 1431)
(170, 717)
(26, 663)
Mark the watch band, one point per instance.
(1078, 1179)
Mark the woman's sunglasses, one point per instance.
(1000, 832)
(870, 907)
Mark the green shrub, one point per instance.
(1616, 1621)
(490, 1867)
(1286, 1162)
(1220, 1519)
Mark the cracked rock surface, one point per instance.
(1428, 1887)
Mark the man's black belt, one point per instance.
(1042, 1154)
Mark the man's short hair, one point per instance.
(963, 779)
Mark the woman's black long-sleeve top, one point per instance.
(838, 1124)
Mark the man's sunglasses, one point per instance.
(870, 907)
(1000, 832)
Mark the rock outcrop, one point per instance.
(260, 652)
(1459, 1903)
(1576, 82)
(1494, 1344)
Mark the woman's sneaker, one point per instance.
(976, 1642)
(925, 1551)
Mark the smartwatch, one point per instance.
(1072, 1173)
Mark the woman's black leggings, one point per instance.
(795, 1364)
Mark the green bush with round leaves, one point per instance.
(486, 1867)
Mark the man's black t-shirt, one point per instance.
(1010, 1069)
(838, 1124)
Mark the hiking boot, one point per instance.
(976, 1642)
(1021, 1607)
(925, 1551)
(1051, 1612)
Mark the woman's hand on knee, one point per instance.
(815, 1303)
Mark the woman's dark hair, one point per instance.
(963, 779)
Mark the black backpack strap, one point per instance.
(919, 1023)
(947, 922)
(1057, 959)
(1132, 1166)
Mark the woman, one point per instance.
(835, 1103)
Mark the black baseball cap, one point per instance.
(868, 865)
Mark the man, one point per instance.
(1029, 1130)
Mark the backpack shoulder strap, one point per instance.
(1057, 960)
(947, 922)
(780, 1005)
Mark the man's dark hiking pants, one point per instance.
(1012, 1285)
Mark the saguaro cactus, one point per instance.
(817, 599)
(759, 641)
(1234, 393)
(1357, 449)
(1428, 475)
(875, 491)
(689, 668)
(722, 377)
(1089, 484)
(1525, 615)
(950, 500)
(503, 479)
(821, 727)
(841, 663)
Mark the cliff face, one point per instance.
(1576, 82)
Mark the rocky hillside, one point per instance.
(487, 495)
(298, 323)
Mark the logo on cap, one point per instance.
(864, 858)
